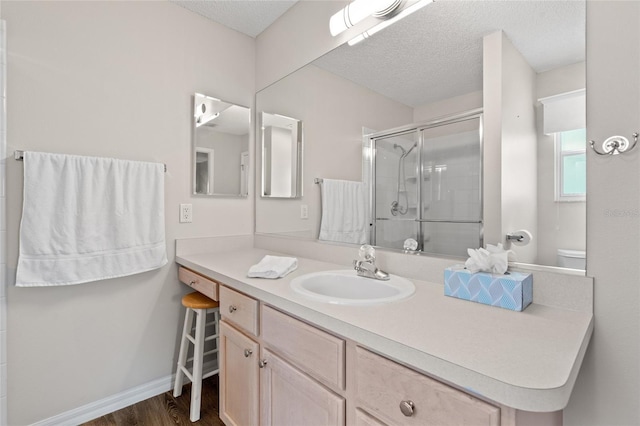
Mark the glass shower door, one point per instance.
(451, 187)
(395, 189)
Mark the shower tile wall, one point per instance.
(3, 232)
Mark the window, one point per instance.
(571, 162)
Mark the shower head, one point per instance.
(404, 152)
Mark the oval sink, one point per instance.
(347, 288)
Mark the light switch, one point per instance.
(304, 211)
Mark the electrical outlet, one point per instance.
(186, 213)
(304, 211)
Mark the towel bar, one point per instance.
(19, 155)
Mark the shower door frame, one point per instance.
(419, 128)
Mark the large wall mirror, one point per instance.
(431, 66)
(220, 147)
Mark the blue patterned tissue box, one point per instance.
(513, 290)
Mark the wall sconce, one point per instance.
(395, 18)
(389, 10)
(358, 10)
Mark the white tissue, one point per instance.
(493, 259)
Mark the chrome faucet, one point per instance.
(366, 266)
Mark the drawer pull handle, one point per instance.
(262, 363)
(407, 408)
(192, 283)
(232, 309)
(247, 353)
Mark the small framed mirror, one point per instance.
(281, 156)
(220, 156)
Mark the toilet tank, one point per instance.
(574, 259)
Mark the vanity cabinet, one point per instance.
(239, 359)
(278, 370)
(239, 377)
(286, 383)
(198, 282)
(290, 397)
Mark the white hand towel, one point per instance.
(344, 212)
(273, 267)
(87, 219)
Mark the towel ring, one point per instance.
(615, 145)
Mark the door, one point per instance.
(451, 187)
(239, 375)
(395, 196)
(290, 397)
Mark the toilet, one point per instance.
(574, 259)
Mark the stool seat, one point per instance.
(197, 300)
(198, 306)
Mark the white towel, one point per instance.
(273, 267)
(344, 212)
(87, 219)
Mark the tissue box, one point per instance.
(513, 290)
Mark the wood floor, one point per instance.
(166, 410)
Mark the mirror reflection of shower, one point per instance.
(401, 204)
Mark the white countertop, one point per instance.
(526, 360)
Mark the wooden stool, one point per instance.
(200, 305)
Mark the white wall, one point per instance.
(608, 388)
(449, 106)
(227, 149)
(509, 144)
(333, 111)
(141, 62)
(560, 224)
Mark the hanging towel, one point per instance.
(87, 219)
(273, 267)
(344, 212)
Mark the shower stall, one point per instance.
(426, 185)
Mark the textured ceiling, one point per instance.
(436, 53)
(250, 17)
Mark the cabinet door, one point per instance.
(289, 397)
(239, 375)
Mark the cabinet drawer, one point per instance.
(382, 385)
(318, 353)
(200, 283)
(239, 309)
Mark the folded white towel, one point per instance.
(273, 267)
(87, 219)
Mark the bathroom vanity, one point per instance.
(427, 359)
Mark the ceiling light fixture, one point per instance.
(202, 120)
(384, 24)
(358, 10)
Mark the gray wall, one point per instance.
(110, 79)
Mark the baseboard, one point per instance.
(109, 404)
(115, 402)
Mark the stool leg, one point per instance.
(184, 349)
(198, 351)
